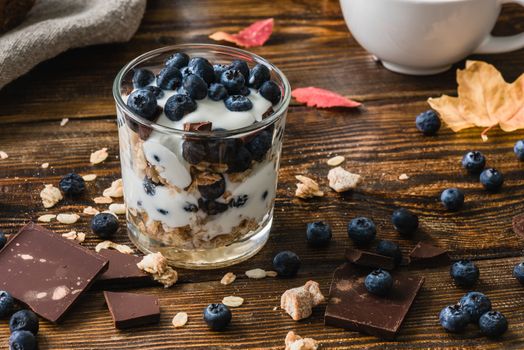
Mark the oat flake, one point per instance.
(117, 208)
(232, 301)
(179, 320)
(271, 274)
(256, 273)
(228, 278)
(75, 236)
(90, 211)
(122, 248)
(89, 177)
(44, 165)
(335, 161)
(403, 177)
(46, 217)
(98, 156)
(67, 218)
(64, 121)
(116, 190)
(3, 155)
(103, 200)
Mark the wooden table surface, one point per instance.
(312, 45)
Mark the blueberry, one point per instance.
(286, 263)
(149, 187)
(362, 231)
(428, 122)
(264, 195)
(177, 60)
(185, 71)
(169, 78)
(241, 66)
(3, 239)
(452, 198)
(238, 103)
(493, 324)
(24, 320)
(519, 150)
(239, 201)
(453, 318)
(390, 248)
(22, 340)
(474, 162)
(239, 161)
(162, 211)
(211, 207)
(7, 303)
(158, 92)
(178, 105)
(190, 207)
(379, 282)
(201, 67)
(476, 304)
(233, 81)
(104, 225)
(193, 151)
(219, 69)
(491, 179)
(217, 316)
(143, 103)
(318, 233)
(465, 273)
(245, 91)
(72, 184)
(518, 272)
(260, 144)
(258, 75)
(270, 91)
(220, 151)
(195, 87)
(142, 78)
(405, 222)
(211, 185)
(217, 92)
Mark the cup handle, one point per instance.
(499, 44)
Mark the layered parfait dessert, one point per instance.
(200, 143)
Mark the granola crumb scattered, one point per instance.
(299, 302)
(75, 236)
(122, 248)
(103, 200)
(179, 320)
(44, 165)
(335, 161)
(228, 278)
(90, 211)
(89, 177)
(296, 342)
(46, 217)
(342, 180)
(156, 264)
(67, 219)
(117, 208)
(64, 121)
(98, 156)
(3, 155)
(50, 196)
(403, 177)
(271, 274)
(116, 190)
(110, 212)
(275, 308)
(256, 273)
(307, 188)
(232, 301)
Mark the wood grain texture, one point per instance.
(313, 47)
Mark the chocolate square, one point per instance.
(352, 307)
(131, 309)
(122, 271)
(368, 259)
(425, 254)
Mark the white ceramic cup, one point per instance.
(422, 37)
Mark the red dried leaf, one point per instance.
(322, 98)
(254, 35)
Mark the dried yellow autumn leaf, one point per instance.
(484, 100)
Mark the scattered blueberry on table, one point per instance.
(474, 162)
(22, 340)
(104, 225)
(391, 249)
(465, 273)
(452, 198)
(24, 320)
(453, 318)
(72, 184)
(476, 304)
(493, 324)
(362, 231)
(491, 179)
(217, 316)
(286, 263)
(3, 239)
(318, 233)
(7, 304)
(405, 222)
(519, 149)
(518, 272)
(428, 122)
(379, 282)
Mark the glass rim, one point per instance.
(278, 111)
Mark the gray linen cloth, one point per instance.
(54, 26)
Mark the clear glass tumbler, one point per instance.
(166, 170)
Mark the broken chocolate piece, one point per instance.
(368, 259)
(428, 255)
(47, 272)
(518, 225)
(131, 309)
(122, 271)
(200, 126)
(352, 307)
